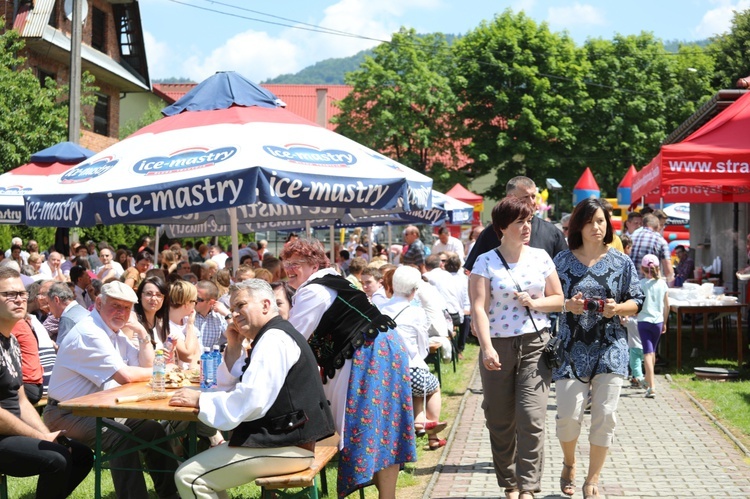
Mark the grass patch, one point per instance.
(412, 481)
(728, 401)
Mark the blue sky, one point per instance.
(187, 38)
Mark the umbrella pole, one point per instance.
(390, 243)
(156, 247)
(235, 239)
(370, 242)
(332, 230)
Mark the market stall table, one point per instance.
(718, 308)
(103, 405)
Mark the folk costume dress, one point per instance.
(366, 376)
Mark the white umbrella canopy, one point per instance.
(49, 161)
(225, 144)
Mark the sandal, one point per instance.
(594, 490)
(511, 493)
(567, 484)
(435, 443)
(430, 427)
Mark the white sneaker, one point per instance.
(650, 394)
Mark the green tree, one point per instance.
(402, 104)
(32, 116)
(732, 51)
(521, 87)
(150, 115)
(638, 95)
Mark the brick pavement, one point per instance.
(664, 447)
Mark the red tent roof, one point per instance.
(711, 166)
(587, 181)
(461, 193)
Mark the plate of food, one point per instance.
(743, 277)
(178, 379)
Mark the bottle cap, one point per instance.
(206, 349)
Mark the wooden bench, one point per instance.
(276, 486)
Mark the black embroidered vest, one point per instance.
(300, 414)
(344, 326)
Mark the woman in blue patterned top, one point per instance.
(600, 285)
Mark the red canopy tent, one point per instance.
(461, 193)
(712, 165)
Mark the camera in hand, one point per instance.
(593, 305)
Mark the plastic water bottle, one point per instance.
(208, 371)
(160, 372)
(168, 348)
(216, 354)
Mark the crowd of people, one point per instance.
(335, 343)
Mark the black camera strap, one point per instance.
(507, 267)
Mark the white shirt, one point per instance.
(506, 315)
(47, 271)
(83, 300)
(449, 289)
(115, 266)
(220, 259)
(379, 297)
(412, 325)
(453, 245)
(88, 358)
(434, 305)
(249, 396)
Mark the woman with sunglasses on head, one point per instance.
(513, 289)
(600, 284)
(365, 367)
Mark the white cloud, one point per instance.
(526, 6)
(575, 15)
(719, 19)
(259, 55)
(158, 56)
(254, 54)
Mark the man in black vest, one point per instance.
(273, 400)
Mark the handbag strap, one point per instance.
(507, 267)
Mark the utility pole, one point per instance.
(74, 101)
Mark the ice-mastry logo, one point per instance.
(87, 171)
(310, 155)
(183, 160)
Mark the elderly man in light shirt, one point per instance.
(94, 356)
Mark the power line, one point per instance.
(329, 31)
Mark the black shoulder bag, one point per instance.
(553, 350)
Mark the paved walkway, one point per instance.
(664, 447)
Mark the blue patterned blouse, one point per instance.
(590, 336)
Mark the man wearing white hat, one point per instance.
(95, 355)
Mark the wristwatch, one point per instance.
(228, 317)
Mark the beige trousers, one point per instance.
(211, 472)
(571, 399)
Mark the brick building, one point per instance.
(112, 50)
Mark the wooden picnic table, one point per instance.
(103, 405)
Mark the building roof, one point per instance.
(302, 100)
